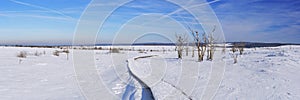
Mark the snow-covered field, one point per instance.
(37, 77)
(262, 73)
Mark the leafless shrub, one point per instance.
(97, 48)
(67, 52)
(56, 53)
(164, 50)
(181, 39)
(141, 51)
(211, 45)
(37, 53)
(234, 49)
(114, 50)
(240, 47)
(22, 54)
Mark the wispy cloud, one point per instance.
(33, 15)
(103, 4)
(185, 18)
(188, 7)
(2, 14)
(47, 17)
(243, 20)
(272, 21)
(42, 8)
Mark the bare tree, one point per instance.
(181, 39)
(234, 49)
(67, 52)
(241, 47)
(211, 44)
(201, 44)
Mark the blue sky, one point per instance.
(54, 21)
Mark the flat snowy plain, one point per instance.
(270, 73)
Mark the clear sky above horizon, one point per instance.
(54, 21)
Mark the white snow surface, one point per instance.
(263, 73)
(44, 77)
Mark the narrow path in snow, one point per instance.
(146, 90)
